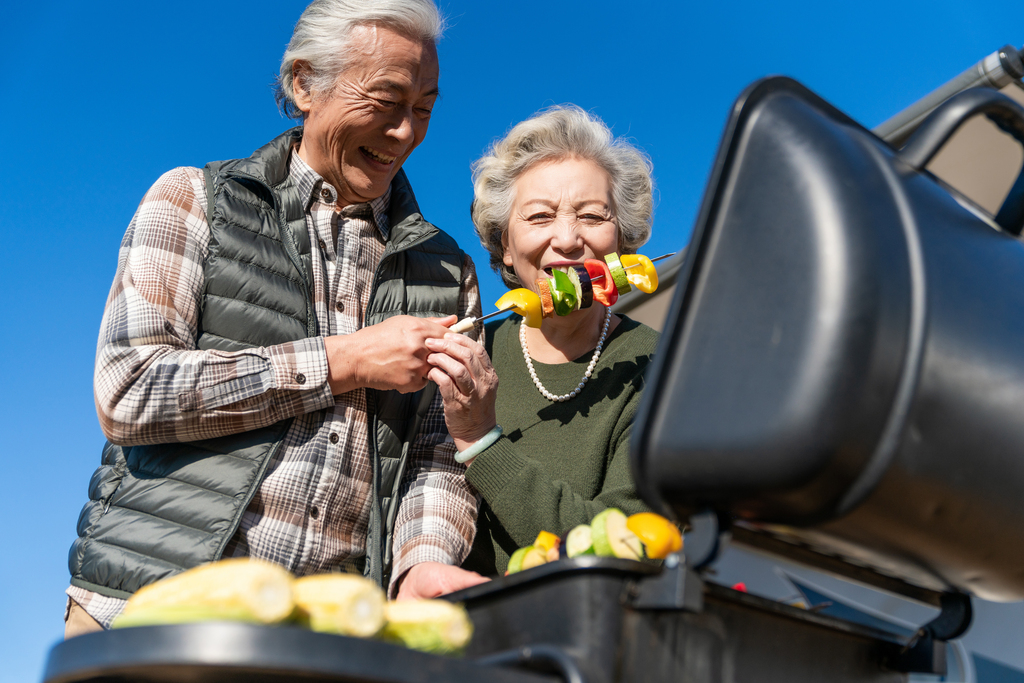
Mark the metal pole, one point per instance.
(998, 70)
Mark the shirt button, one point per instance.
(325, 193)
(300, 378)
(323, 245)
(314, 511)
(340, 306)
(335, 438)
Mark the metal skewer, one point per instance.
(466, 324)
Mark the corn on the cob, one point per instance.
(238, 589)
(156, 615)
(428, 625)
(346, 604)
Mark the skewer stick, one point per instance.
(467, 324)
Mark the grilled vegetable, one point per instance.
(640, 272)
(238, 589)
(605, 291)
(346, 604)
(563, 293)
(429, 625)
(525, 303)
(618, 273)
(156, 615)
(549, 544)
(659, 536)
(584, 287)
(612, 538)
(579, 541)
(526, 558)
(547, 304)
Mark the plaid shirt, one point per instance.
(153, 385)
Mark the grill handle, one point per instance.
(542, 656)
(936, 130)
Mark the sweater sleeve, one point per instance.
(526, 498)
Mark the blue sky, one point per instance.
(101, 98)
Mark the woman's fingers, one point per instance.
(457, 346)
(468, 352)
(456, 370)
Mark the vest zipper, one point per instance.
(384, 536)
(257, 480)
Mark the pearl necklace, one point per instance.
(590, 368)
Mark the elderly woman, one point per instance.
(556, 191)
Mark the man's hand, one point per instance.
(389, 355)
(431, 579)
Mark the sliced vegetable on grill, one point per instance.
(526, 558)
(612, 538)
(660, 537)
(579, 541)
(549, 543)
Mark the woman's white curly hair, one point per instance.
(560, 132)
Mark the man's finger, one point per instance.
(446, 321)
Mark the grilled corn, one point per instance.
(238, 589)
(346, 604)
(429, 625)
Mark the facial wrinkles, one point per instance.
(561, 212)
(372, 107)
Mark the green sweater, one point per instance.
(557, 464)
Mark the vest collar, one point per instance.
(269, 165)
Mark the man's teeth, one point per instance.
(382, 158)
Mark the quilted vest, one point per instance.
(159, 509)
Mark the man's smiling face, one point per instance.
(358, 135)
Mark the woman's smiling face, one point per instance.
(562, 214)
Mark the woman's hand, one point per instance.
(468, 386)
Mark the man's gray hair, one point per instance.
(559, 133)
(321, 38)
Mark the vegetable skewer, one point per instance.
(566, 287)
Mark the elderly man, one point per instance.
(263, 335)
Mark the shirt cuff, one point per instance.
(301, 366)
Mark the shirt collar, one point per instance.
(314, 188)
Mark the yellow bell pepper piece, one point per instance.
(659, 536)
(525, 303)
(643, 274)
(547, 541)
